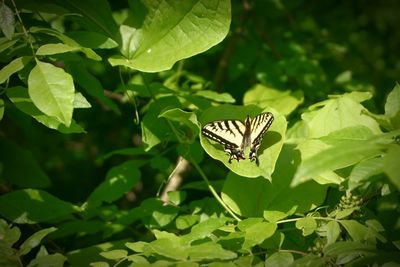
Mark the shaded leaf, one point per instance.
(279, 259)
(209, 251)
(217, 97)
(7, 20)
(114, 254)
(307, 225)
(34, 240)
(391, 165)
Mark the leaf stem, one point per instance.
(23, 27)
(213, 191)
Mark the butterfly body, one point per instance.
(236, 135)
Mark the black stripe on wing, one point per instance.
(259, 126)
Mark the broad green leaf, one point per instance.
(187, 118)
(344, 247)
(217, 97)
(7, 20)
(279, 259)
(362, 171)
(114, 254)
(70, 43)
(119, 180)
(342, 155)
(307, 225)
(171, 31)
(34, 240)
(52, 91)
(391, 165)
(33, 206)
(79, 227)
(99, 264)
(257, 233)
(209, 251)
(340, 112)
(52, 49)
(358, 132)
(268, 152)
(285, 102)
(93, 40)
(138, 259)
(19, 96)
(91, 85)
(166, 248)
(56, 260)
(13, 67)
(251, 197)
(12, 157)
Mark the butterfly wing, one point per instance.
(229, 133)
(259, 126)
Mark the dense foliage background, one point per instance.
(101, 157)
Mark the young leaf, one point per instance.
(257, 233)
(8, 234)
(52, 91)
(34, 240)
(171, 31)
(166, 248)
(114, 254)
(56, 260)
(209, 251)
(307, 225)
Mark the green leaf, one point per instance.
(34, 240)
(156, 214)
(56, 260)
(187, 118)
(19, 96)
(331, 230)
(285, 102)
(119, 180)
(268, 152)
(165, 247)
(310, 260)
(364, 170)
(257, 233)
(116, 254)
(42, 206)
(392, 106)
(217, 97)
(7, 20)
(274, 215)
(92, 39)
(391, 165)
(52, 91)
(171, 31)
(346, 153)
(345, 247)
(52, 49)
(359, 232)
(90, 83)
(70, 43)
(202, 230)
(307, 225)
(9, 234)
(340, 112)
(1, 108)
(186, 221)
(13, 67)
(12, 158)
(136, 246)
(251, 197)
(99, 264)
(209, 251)
(80, 101)
(176, 197)
(279, 259)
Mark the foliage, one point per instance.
(102, 159)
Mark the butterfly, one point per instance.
(236, 135)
